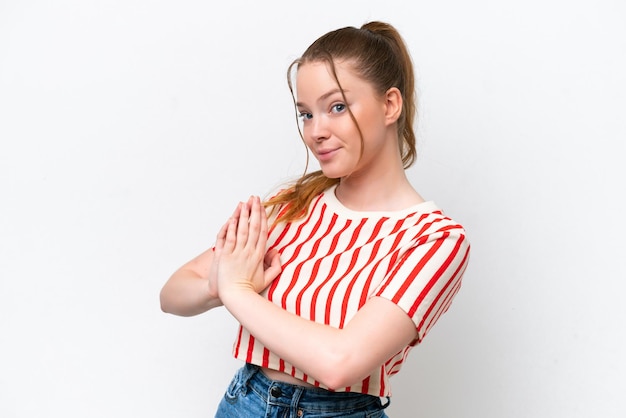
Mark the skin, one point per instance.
(376, 181)
(239, 268)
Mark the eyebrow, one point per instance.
(323, 96)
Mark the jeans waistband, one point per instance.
(286, 394)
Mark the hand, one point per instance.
(242, 260)
(213, 291)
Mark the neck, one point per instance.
(388, 190)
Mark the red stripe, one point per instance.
(374, 269)
(439, 273)
(355, 255)
(426, 225)
(448, 299)
(266, 357)
(365, 385)
(366, 286)
(456, 280)
(319, 288)
(250, 349)
(346, 299)
(355, 234)
(365, 289)
(296, 253)
(280, 212)
(420, 265)
(394, 252)
(442, 309)
(317, 262)
(280, 236)
(394, 249)
(238, 341)
(333, 289)
(382, 382)
(392, 366)
(331, 273)
(274, 284)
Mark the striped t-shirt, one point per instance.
(335, 259)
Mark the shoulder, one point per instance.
(434, 225)
(429, 215)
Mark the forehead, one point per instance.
(320, 71)
(315, 78)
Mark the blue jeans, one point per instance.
(251, 394)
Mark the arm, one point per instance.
(188, 291)
(192, 289)
(336, 358)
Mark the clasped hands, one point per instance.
(241, 261)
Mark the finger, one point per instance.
(273, 270)
(264, 226)
(267, 260)
(242, 225)
(255, 224)
(235, 214)
(221, 236)
(260, 231)
(276, 260)
(236, 211)
(230, 240)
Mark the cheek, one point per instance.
(374, 124)
(306, 137)
(369, 116)
(309, 143)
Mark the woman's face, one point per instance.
(328, 130)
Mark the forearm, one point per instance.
(187, 294)
(336, 358)
(278, 329)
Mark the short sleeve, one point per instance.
(427, 276)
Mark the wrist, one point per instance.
(211, 290)
(235, 291)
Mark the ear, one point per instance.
(393, 105)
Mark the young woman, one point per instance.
(352, 267)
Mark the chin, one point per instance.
(333, 174)
(333, 171)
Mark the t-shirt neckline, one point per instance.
(330, 198)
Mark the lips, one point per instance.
(326, 154)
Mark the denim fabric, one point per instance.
(251, 394)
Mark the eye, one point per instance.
(338, 108)
(305, 115)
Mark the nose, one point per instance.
(318, 129)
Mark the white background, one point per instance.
(130, 129)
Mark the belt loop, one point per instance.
(388, 402)
(295, 400)
(247, 372)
